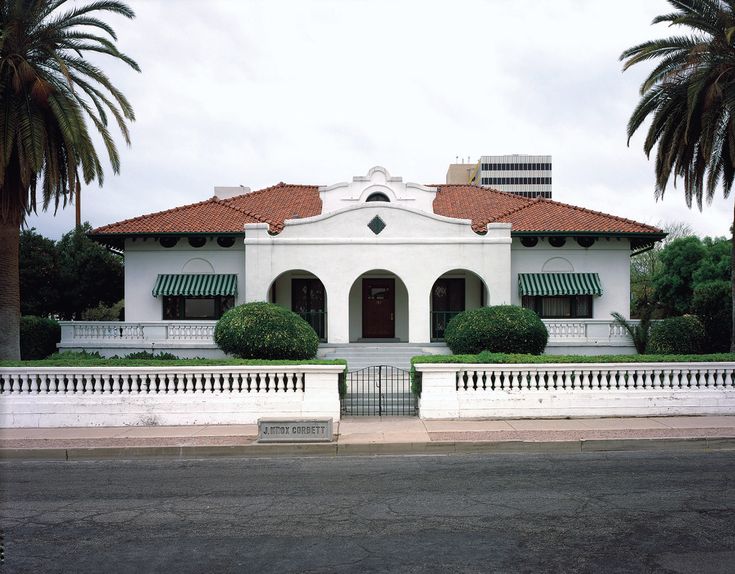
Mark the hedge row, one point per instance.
(496, 358)
(78, 360)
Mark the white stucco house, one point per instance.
(374, 259)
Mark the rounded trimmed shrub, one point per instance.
(676, 336)
(38, 337)
(499, 329)
(265, 331)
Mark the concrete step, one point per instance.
(361, 355)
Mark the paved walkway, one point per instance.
(374, 435)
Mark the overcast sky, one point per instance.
(241, 92)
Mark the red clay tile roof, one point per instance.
(275, 204)
(484, 206)
(271, 205)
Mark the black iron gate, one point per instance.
(381, 390)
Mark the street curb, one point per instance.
(372, 449)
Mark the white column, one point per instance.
(439, 399)
(338, 311)
(321, 395)
(258, 263)
(419, 312)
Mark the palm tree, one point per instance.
(689, 97)
(49, 93)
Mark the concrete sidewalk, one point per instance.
(374, 435)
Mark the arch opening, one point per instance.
(453, 292)
(378, 308)
(303, 293)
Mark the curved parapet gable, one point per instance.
(380, 222)
(378, 180)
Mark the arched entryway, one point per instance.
(378, 307)
(455, 291)
(303, 293)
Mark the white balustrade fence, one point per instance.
(182, 338)
(196, 338)
(584, 389)
(116, 396)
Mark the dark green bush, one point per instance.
(712, 303)
(74, 356)
(500, 329)
(38, 337)
(677, 336)
(265, 331)
(146, 356)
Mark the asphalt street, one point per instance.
(616, 512)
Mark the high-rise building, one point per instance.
(524, 175)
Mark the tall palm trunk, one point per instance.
(9, 290)
(732, 283)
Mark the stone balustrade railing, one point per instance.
(182, 338)
(96, 331)
(583, 389)
(580, 330)
(115, 396)
(109, 336)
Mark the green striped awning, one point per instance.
(559, 284)
(195, 284)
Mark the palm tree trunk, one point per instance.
(9, 291)
(732, 283)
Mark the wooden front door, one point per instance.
(378, 308)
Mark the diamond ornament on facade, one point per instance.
(376, 225)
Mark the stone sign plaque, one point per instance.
(295, 430)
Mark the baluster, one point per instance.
(707, 378)
(521, 380)
(647, 378)
(210, 382)
(676, 378)
(584, 379)
(719, 379)
(199, 383)
(728, 374)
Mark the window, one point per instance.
(196, 308)
(378, 197)
(569, 307)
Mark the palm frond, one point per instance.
(52, 95)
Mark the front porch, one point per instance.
(188, 339)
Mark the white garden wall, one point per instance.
(576, 390)
(121, 396)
